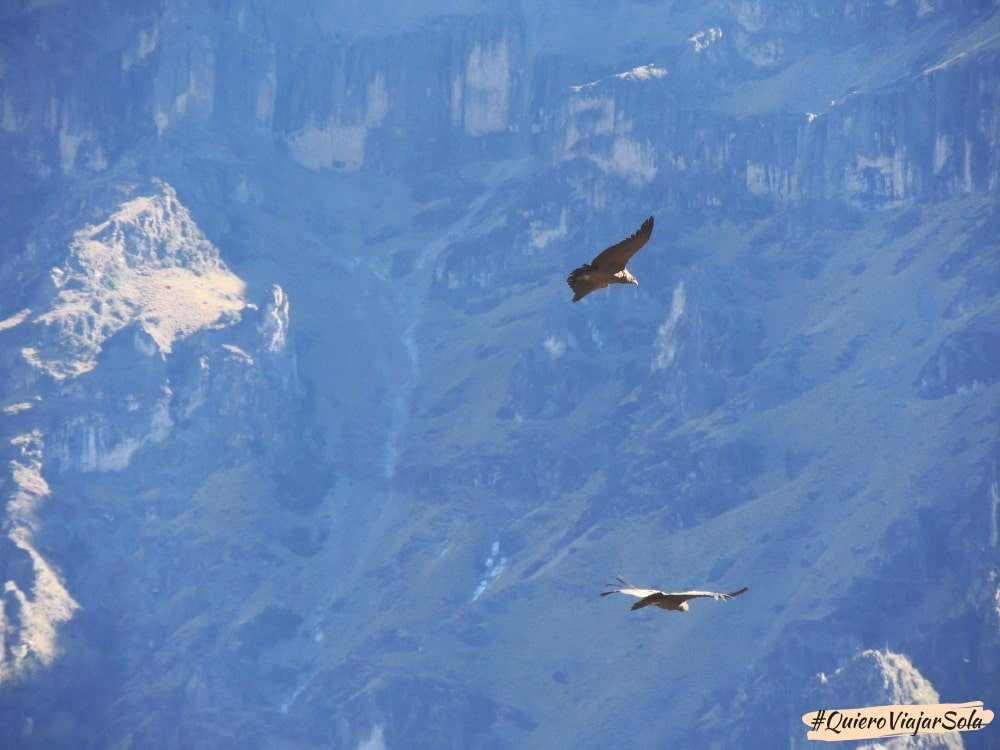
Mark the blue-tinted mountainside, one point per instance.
(306, 446)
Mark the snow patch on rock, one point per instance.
(641, 73)
(702, 40)
(665, 346)
(495, 566)
(555, 347)
(277, 318)
(237, 354)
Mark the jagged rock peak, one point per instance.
(147, 264)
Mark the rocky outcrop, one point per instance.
(139, 332)
(148, 264)
(880, 678)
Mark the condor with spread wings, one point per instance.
(676, 601)
(609, 267)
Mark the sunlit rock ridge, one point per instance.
(305, 446)
(147, 264)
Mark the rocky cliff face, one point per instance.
(881, 678)
(307, 447)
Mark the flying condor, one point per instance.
(609, 266)
(676, 601)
